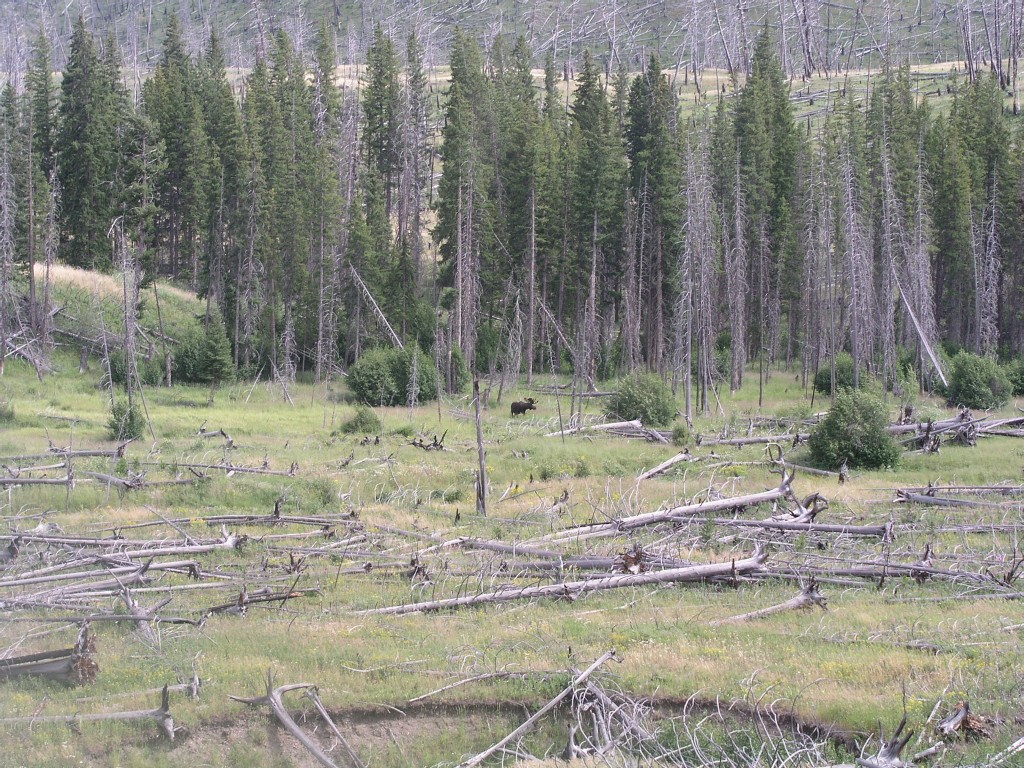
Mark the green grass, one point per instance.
(849, 668)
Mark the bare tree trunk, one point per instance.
(8, 214)
(736, 283)
(531, 285)
(481, 478)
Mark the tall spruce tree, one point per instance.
(85, 154)
(766, 137)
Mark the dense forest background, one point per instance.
(588, 202)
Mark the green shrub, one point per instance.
(125, 423)
(1015, 372)
(855, 431)
(680, 433)
(364, 422)
(381, 376)
(844, 375)
(977, 382)
(645, 397)
(204, 356)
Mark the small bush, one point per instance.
(680, 433)
(381, 376)
(1015, 372)
(204, 356)
(364, 422)
(645, 397)
(125, 423)
(844, 375)
(977, 382)
(855, 431)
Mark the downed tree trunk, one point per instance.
(962, 722)
(685, 455)
(71, 665)
(635, 424)
(882, 531)
(562, 560)
(808, 598)
(273, 700)
(909, 497)
(526, 726)
(573, 589)
(784, 490)
(161, 714)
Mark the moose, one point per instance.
(519, 407)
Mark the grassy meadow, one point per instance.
(878, 650)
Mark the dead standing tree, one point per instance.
(8, 213)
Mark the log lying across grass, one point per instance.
(784, 490)
(161, 715)
(808, 598)
(573, 589)
(71, 665)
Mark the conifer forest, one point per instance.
(268, 268)
(547, 199)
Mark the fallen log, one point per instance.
(762, 440)
(71, 665)
(526, 726)
(161, 715)
(909, 497)
(635, 424)
(784, 490)
(962, 722)
(685, 455)
(574, 589)
(808, 598)
(881, 531)
(273, 700)
(190, 566)
(562, 560)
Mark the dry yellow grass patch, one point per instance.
(96, 283)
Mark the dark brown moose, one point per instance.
(519, 407)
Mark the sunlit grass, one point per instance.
(848, 668)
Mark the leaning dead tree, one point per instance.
(274, 699)
(526, 726)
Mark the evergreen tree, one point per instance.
(382, 113)
(465, 219)
(86, 150)
(654, 185)
(43, 96)
(767, 140)
(172, 99)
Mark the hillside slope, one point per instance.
(819, 35)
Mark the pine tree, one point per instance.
(464, 228)
(767, 140)
(172, 99)
(223, 205)
(43, 96)
(86, 147)
(654, 184)
(382, 113)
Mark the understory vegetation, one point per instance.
(300, 512)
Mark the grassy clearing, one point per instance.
(848, 669)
